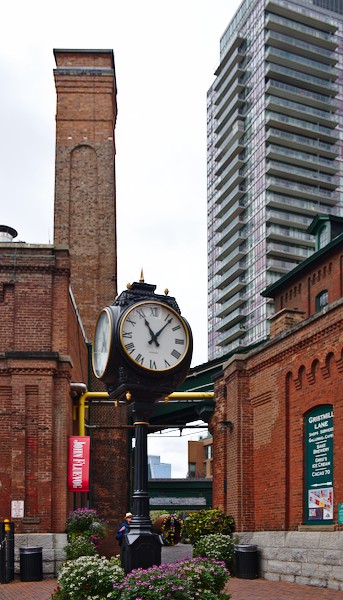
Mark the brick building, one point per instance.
(42, 349)
(50, 297)
(278, 470)
(200, 457)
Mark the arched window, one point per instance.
(322, 299)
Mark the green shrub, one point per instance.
(215, 545)
(87, 523)
(88, 577)
(205, 522)
(79, 546)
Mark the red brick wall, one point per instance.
(300, 292)
(85, 176)
(39, 358)
(262, 458)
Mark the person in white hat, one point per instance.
(124, 527)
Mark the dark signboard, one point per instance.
(319, 466)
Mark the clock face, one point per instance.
(154, 336)
(102, 343)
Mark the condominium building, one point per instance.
(274, 155)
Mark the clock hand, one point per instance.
(164, 326)
(153, 336)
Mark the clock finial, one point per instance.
(141, 279)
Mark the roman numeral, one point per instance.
(141, 313)
(127, 334)
(130, 347)
(176, 327)
(176, 354)
(153, 364)
(166, 364)
(177, 341)
(140, 359)
(133, 323)
(153, 311)
(168, 317)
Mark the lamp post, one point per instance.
(141, 548)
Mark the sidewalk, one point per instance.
(240, 589)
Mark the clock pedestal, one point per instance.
(142, 352)
(141, 548)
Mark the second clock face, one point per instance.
(154, 336)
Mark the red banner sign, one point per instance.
(78, 464)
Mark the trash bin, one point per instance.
(31, 564)
(246, 561)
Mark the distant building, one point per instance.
(200, 457)
(158, 470)
(274, 148)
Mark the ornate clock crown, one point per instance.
(139, 291)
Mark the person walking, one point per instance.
(124, 527)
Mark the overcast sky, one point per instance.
(165, 57)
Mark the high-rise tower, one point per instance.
(85, 175)
(274, 155)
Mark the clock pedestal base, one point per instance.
(140, 550)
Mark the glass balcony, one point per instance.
(289, 234)
(233, 75)
(301, 142)
(281, 217)
(274, 167)
(291, 27)
(231, 334)
(308, 192)
(235, 240)
(234, 140)
(235, 258)
(234, 211)
(236, 286)
(301, 158)
(300, 126)
(299, 205)
(226, 185)
(230, 168)
(230, 305)
(231, 274)
(286, 42)
(237, 56)
(223, 109)
(293, 92)
(229, 201)
(232, 114)
(280, 266)
(303, 111)
(301, 14)
(288, 59)
(234, 225)
(285, 250)
(317, 84)
(234, 317)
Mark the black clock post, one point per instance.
(142, 351)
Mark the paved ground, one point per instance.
(240, 589)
